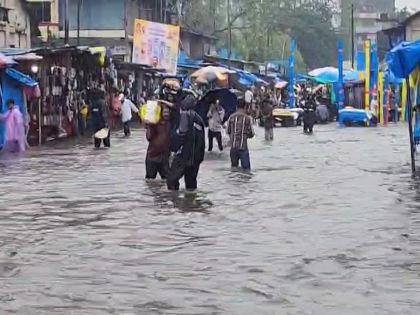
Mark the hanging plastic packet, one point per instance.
(151, 112)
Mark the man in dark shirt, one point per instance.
(309, 116)
(158, 135)
(99, 118)
(190, 147)
(240, 130)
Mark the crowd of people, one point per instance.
(176, 142)
(314, 104)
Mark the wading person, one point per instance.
(15, 137)
(249, 100)
(127, 109)
(240, 130)
(190, 147)
(115, 109)
(215, 115)
(309, 115)
(158, 152)
(268, 119)
(99, 120)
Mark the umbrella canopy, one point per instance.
(21, 77)
(404, 58)
(27, 57)
(321, 71)
(330, 75)
(281, 84)
(211, 73)
(6, 61)
(228, 99)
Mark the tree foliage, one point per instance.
(262, 29)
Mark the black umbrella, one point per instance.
(227, 99)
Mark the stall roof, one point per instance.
(209, 57)
(21, 78)
(404, 58)
(187, 30)
(15, 51)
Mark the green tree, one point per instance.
(261, 30)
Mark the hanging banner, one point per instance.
(156, 45)
(367, 73)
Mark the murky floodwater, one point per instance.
(328, 224)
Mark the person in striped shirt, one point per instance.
(240, 130)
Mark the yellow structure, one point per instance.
(414, 83)
(367, 71)
(381, 93)
(404, 92)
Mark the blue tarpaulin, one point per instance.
(228, 100)
(330, 75)
(404, 58)
(21, 78)
(185, 62)
(354, 116)
(11, 88)
(248, 79)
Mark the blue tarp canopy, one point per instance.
(21, 78)
(11, 88)
(353, 115)
(185, 62)
(329, 75)
(247, 78)
(404, 58)
(227, 98)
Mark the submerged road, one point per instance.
(328, 224)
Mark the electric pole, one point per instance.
(229, 32)
(352, 36)
(79, 4)
(66, 22)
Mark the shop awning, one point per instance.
(21, 77)
(6, 61)
(404, 58)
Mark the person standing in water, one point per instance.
(127, 109)
(158, 152)
(190, 149)
(267, 116)
(15, 138)
(99, 118)
(215, 115)
(240, 130)
(309, 115)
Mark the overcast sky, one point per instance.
(408, 3)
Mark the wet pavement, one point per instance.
(328, 224)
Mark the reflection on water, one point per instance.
(327, 224)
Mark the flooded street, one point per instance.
(328, 224)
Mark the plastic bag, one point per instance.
(225, 138)
(150, 113)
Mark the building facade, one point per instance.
(15, 26)
(45, 13)
(408, 30)
(412, 27)
(369, 17)
(110, 23)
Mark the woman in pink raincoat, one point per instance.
(15, 138)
